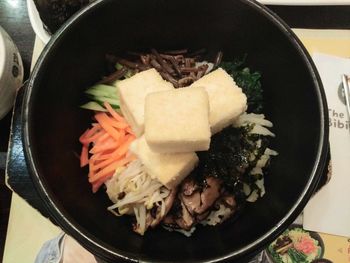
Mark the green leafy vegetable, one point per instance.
(248, 81)
(297, 256)
(277, 258)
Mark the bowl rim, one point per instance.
(104, 251)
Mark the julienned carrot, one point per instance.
(84, 157)
(105, 123)
(97, 184)
(118, 124)
(130, 131)
(83, 136)
(89, 132)
(110, 168)
(102, 138)
(124, 147)
(108, 161)
(108, 144)
(91, 135)
(118, 154)
(114, 113)
(109, 140)
(93, 138)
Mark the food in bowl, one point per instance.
(173, 142)
(296, 245)
(73, 61)
(54, 13)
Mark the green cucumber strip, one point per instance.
(108, 88)
(102, 90)
(92, 105)
(102, 99)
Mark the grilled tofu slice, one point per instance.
(133, 91)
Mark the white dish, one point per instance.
(38, 27)
(11, 72)
(36, 22)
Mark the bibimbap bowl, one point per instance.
(74, 59)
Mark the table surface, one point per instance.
(14, 19)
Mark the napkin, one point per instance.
(329, 210)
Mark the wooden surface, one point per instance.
(14, 19)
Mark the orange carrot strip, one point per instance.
(113, 112)
(122, 136)
(129, 130)
(106, 155)
(83, 136)
(104, 121)
(109, 145)
(119, 124)
(108, 161)
(93, 138)
(97, 185)
(95, 157)
(102, 157)
(93, 130)
(103, 138)
(124, 147)
(110, 168)
(84, 156)
(91, 169)
(117, 154)
(92, 163)
(121, 147)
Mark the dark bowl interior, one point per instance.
(74, 59)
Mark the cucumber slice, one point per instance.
(102, 90)
(107, 88)
(92, 105)
(113, 102)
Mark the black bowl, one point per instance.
(74, 59)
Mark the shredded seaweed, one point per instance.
(229, 158)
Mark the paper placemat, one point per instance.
(328, 211)
(28, 230)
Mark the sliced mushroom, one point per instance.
(209, 194)
(186, 221)
(168, 204)
(203, 216)
(189, 186)
(229, 200)
(192, 202)
(198, 202)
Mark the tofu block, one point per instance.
(177, 121)
(226, 99)
(168, 169)
(133, 91)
